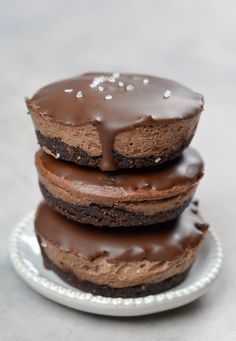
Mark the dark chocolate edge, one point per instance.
(80, 157)
(128, 292)
(99, 215)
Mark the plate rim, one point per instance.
(88, 302)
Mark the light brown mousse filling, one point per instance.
(159, 139)
(147, 207)
(118, 274)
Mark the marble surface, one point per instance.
(190, 41)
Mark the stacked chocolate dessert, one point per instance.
(118, 180)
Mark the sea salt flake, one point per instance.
(108, 97)
(57, 156)
(129, 87)
(158, 159)
(167, 94)
(100, 79)
(97, 81)
(111, 79)
(120, 84)
(68, 90)
(79, 94)
(145, 81)
(64, 248)
(43, 244)
(100, 88)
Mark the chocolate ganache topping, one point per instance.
(164, 242)
(187, 168)
(114, 103)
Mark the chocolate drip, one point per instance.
(187, 169)
(114, 103)
(163, 242)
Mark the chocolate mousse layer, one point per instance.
(115, 120)
(123, 198)
(124, 263)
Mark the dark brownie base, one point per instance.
(80, 157)
(99, 215)
(104, 290)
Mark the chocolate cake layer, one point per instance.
(143, 197)
(100, 260)
(115, 121)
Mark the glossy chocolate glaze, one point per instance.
(163, 242)
(187, 169)
(132, 100)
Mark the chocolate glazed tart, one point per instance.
(115, 121)
(124, 198)
(120, 263)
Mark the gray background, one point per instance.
(190, 41)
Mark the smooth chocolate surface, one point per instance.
(163, 242)
(188, 168)
(115, 103)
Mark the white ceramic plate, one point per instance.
(26, 259)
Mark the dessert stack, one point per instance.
(118, 179)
